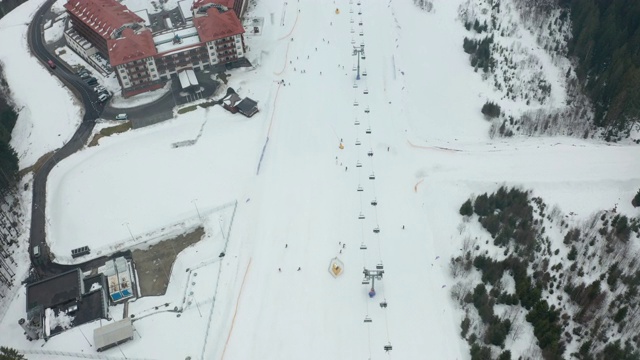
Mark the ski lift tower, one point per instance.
(358, 52)
(370, 276)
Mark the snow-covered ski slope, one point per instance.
(430, 152)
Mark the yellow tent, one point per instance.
(336, 267)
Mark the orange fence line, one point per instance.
(236, 310)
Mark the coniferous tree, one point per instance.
(7, 353)
(636, 200)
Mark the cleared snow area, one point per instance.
(55, 32)
(58, 6)
(298, 204)
(48, 112)
(152, 7)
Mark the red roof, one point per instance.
(131, 46)
(216, 25)
(103, 16)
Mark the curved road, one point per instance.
(43, 264)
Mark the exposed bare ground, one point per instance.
(154, 264)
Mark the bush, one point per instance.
(466, 209)
(636, 200)
(480, 352)
(466, 323)
(506, 355)
(497, 331)
(547, 329)
(491, 109)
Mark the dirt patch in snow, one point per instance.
(154, 264)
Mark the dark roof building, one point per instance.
(65, 295)
(57, 290)
(247, 107)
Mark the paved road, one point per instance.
(147, 114)
(93, 108)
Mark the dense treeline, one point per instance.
(8, 158)
(606, 44)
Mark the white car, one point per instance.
(99, 88)
(103, 97)
(121, 117)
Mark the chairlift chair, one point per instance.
(358, 164)
(388, 348)
(365, 282)
(352, 30)
(374, 202)
(360, 23)
(370, 153)
(353, 41)
(361, 33)
(366, 91)
(383, 304)
(357, 122)
(355, 85)
(360, 188)
(376, 230)
(357, 142)
(352, 21)
(361, 216)
(368, 131)
(364, 72)
(367, 110)
(372, 177)
(363, 246)
(379, 267)
(351, 11)
(355, 103)
(367, 319)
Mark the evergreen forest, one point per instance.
(606, 44)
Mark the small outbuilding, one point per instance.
(247, 107)
(111, 335)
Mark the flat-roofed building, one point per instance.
(113, 334)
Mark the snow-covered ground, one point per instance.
(145, 98)
(298, 204)
(151, 6)
(48, 112)
(55, 32)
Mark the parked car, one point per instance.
(91, 81)
(121, 117)
(103, 97)
(51, 64)
(36, 251)
(99, 89)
